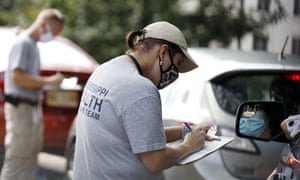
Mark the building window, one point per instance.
(296, 46)
(263, 5)
(297, 7)
(260, 42)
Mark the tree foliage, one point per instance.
(100, 26)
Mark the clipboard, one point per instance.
(209, 147)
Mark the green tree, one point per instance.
(100, 26)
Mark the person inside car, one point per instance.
(255, 123)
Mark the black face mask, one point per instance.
(168, 76)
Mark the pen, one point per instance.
(188, 126)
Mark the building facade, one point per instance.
(273, 36)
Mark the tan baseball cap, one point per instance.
(166, 31)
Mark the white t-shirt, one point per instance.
(118, 118)
(24, 55)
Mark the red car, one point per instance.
(59, 103)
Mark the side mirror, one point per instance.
(260, 120)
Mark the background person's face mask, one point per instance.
(168, 76)
(48, 35)
(253, 126)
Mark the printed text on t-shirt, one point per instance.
(92, 99)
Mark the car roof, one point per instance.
(61, 54)
(215, 61)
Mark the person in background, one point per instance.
(23, 83)
(120, 132)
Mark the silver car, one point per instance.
(212, 93)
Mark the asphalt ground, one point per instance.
(51, 167)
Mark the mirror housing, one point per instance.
(261, 120)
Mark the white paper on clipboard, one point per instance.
(209, 147)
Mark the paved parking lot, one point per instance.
(51, 167)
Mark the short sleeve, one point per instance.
(19, 55)
(143, 125)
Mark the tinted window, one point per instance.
(233, 90)
(296, 46)
(260, 42)
(263, 5)
(297, 7)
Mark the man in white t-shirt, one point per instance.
(23, 84)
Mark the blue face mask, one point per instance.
(253, 126)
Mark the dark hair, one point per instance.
(131, 38)
(148, 43)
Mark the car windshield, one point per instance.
(234, 89)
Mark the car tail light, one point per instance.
(290, 161)
(2, 84)
(293, 77)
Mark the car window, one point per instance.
(231, 91)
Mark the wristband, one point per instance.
(185, 130)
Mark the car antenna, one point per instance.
(281, 55)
